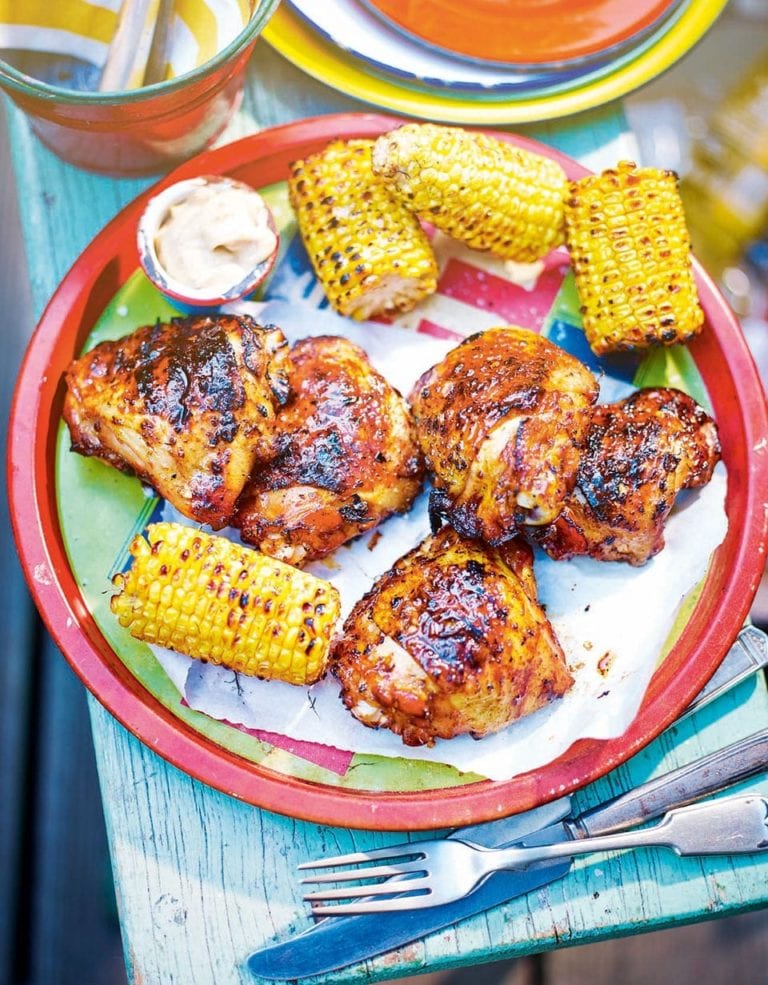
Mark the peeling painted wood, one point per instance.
(202, 879)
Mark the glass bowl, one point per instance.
(141, 131)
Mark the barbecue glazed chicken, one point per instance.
(640, 452)
(347, 456)
(450, 641)
(188, 406)
(501, 421)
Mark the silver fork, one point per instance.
(430, 873)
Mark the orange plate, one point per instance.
(735, 390)
(527, 32)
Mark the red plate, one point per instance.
(737, 397)
(527, 32)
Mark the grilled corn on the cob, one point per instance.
(491, 195)
(370, 254)
(214, 600)
(630, 253)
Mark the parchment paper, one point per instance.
(612, 619)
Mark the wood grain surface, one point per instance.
(16, 676)
(57, 912)
(201, 878)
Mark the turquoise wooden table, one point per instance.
(203, 879)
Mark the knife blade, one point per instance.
(337, 942)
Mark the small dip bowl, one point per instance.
(206, 241)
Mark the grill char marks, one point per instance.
(187, 405)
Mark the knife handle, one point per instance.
(677, 788)
(747, 655)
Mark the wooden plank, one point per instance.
(74, 934)
(220, 880)
(702, 954)
(201, 878)
(55, 879)
(522, 971)
(19, 620)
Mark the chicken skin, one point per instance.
(501, 421)
(640, 452)
(347, 456)
(450, 641)
(188, 406)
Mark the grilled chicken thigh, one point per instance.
(188, 406)
(500, 421)
(452, 640)
(640, 452)
(347, 456)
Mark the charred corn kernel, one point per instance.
(370, 254)
(217, 601)
(630, 252)
(491, 195)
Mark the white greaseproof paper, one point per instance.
(611, 619)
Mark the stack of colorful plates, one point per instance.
(490, 62)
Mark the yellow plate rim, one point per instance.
(294, 40)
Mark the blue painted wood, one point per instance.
(73, 920)
(201, 878)
(57, 918)
(19, 618)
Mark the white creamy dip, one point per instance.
(215, 236)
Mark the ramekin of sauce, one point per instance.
(206, 241)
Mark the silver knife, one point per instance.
(336, 942)
(747, 655)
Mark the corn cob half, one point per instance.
(491, 195)
(370, 254)
(630, 252)
(216, 601)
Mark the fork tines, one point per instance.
(375, 855)
(360, 900)
(401, 883)
(374, 872)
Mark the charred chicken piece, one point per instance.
(188, 406)
(501, 421)
(640, 452)
(450, 641)
(347, 456)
